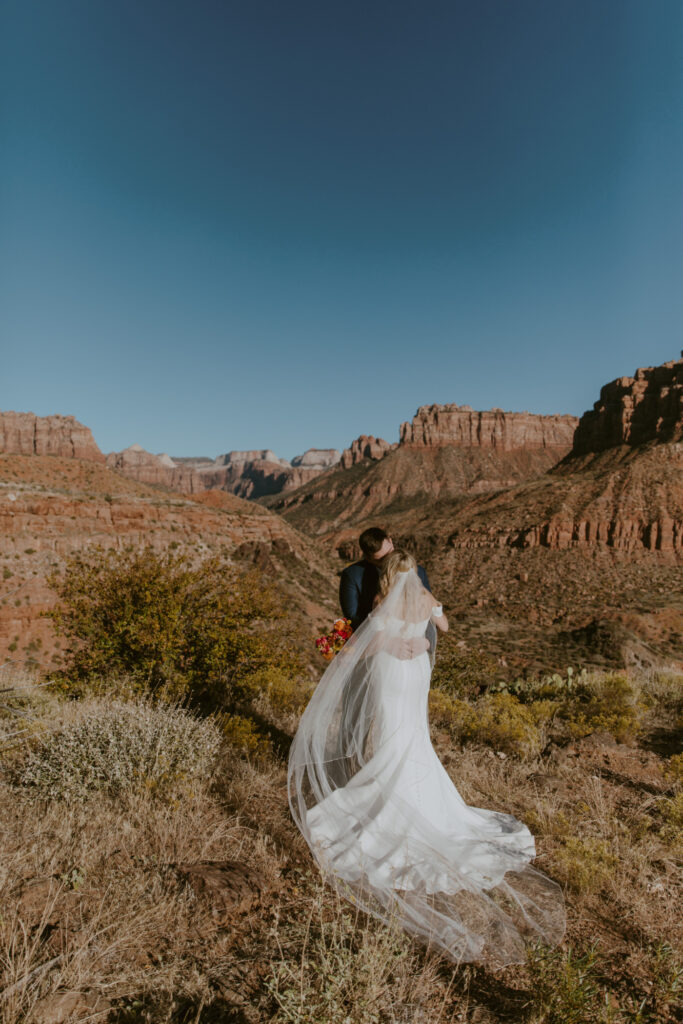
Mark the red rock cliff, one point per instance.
(633, 410)
(462, 426)
(138, 464)
(365, 447)
(24, 433)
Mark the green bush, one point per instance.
(586, 864)
(463, 671)
(115, 747)
(671, 810)
(603, 703)
(170, 628)
(497, 720)
(674, 769)
(583, 703)
(243, 735)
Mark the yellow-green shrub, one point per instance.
(446, 711)
(497, 720)
(463, 671)
(501, 722)
(603, 703)
(242, 734)
(674, 768)
(585, 864)
(284, 691)
(168, 627)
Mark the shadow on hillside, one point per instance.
(665, 742)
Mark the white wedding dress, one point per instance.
(382, 817)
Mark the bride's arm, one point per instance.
(438, 617)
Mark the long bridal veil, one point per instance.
(382, 818)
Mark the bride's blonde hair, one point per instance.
(396, 562)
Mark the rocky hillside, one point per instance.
(583, 564)
(248, 474)
(446, 452)
(575, 561)
(634, 410)
(137, 464)
(53, 506)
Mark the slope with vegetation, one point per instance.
(52, 507)
(545, 565)
(150, 871)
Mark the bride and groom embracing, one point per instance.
(385, 823)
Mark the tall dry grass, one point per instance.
(95, 903)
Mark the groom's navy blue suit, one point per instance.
(358, 586)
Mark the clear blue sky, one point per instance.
(265, 224)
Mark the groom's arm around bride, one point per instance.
(359, 583)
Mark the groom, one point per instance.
(359, 582)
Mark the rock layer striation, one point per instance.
(24, 433)
(464, 427)
(635, 410)
(365, 447)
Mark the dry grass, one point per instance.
(96, 900)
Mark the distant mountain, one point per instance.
(569, 561)
(247, 474)
(552, 541)
(446, 452)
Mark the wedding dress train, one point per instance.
(385, 822)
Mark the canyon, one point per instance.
(247, 474)
(549, 555)
(53, 507)
(446, 451)
(553, 540)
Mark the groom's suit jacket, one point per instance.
(358, 586)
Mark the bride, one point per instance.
(384, 822)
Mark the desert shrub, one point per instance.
(463, 671)
(603, 703)
(674, 769)
(497, 720)
(115, 746)
(665, 688)
(285, 692)
(554, 687)
(168, 627)
(582, 703)
(500, 721)
(585, 864)
(244, 736)
(446, 711)
(671, 810)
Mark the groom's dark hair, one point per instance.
(371, 540)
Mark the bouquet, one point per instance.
(332, 643)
